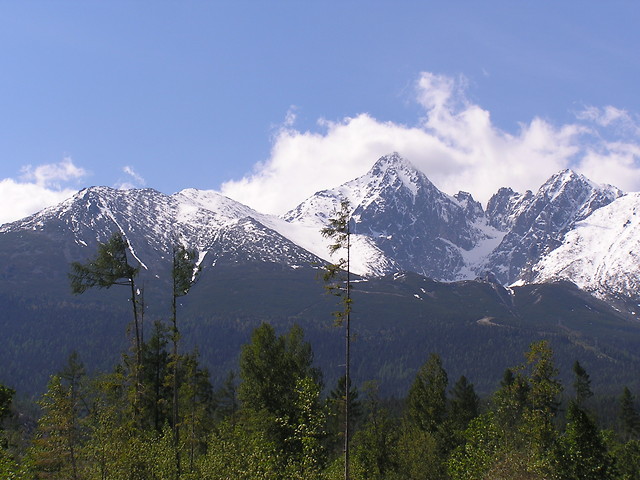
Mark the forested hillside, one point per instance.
(272, 420)
(242, 376)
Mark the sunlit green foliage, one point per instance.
(274, 423)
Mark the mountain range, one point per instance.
(576, 237)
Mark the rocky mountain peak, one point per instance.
(472, 208)
(395, 173)
(536, 224)
(401, 222)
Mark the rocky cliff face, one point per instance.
(400, 222)
(536, 224)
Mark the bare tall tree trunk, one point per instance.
(347, 364)
(175, 417)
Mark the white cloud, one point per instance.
(37, 188)
(290, 117)
(455, 144)
(134, 179)
(50, 175)
(615, 163)
(610, 116)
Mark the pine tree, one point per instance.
(54, 450)
(464, 404)
(339, 231)
(183, 274)
(581, 384)
(629, 418)
(270, 368)
(111, 267)
(427, 401)
(583, 453)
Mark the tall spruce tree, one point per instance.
(629, 417)
(183, 275)
(271, 368)
(583, 451)
(581, 384)
(464, 405)
(338, 278)
(427, 401)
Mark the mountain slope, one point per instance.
(408, 236)
(399, 213)
(536, 224)
(36, 253)
(601, 254)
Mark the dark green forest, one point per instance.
(276, 419)
(158, 412)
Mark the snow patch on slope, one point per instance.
(602, 253)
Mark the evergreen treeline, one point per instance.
(274, 422)
(156, 416)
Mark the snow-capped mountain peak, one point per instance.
(397, 210)
(390, 173)
(394, 170)
(601, 254)
(400, 222)
(536, 224)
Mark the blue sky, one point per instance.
(269, 102)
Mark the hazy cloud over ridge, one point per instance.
(455, 144)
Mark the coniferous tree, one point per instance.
(544, 391)
(517, 438)
(629, 417)
(581, 384)
(60, 432)
(339, 231)
(183, 275)
(375, 442)
(426, 437)
(6, 396)
(464, 404)
(226, 400)
(155, 370)
(337, 409)
(427, 401)
(583, 454)
(510, 400)
(270, 368)
(111, 267)
(197, 403)
(55, 445)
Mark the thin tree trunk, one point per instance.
(176, 425)
(347, 364)
(136, 399)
